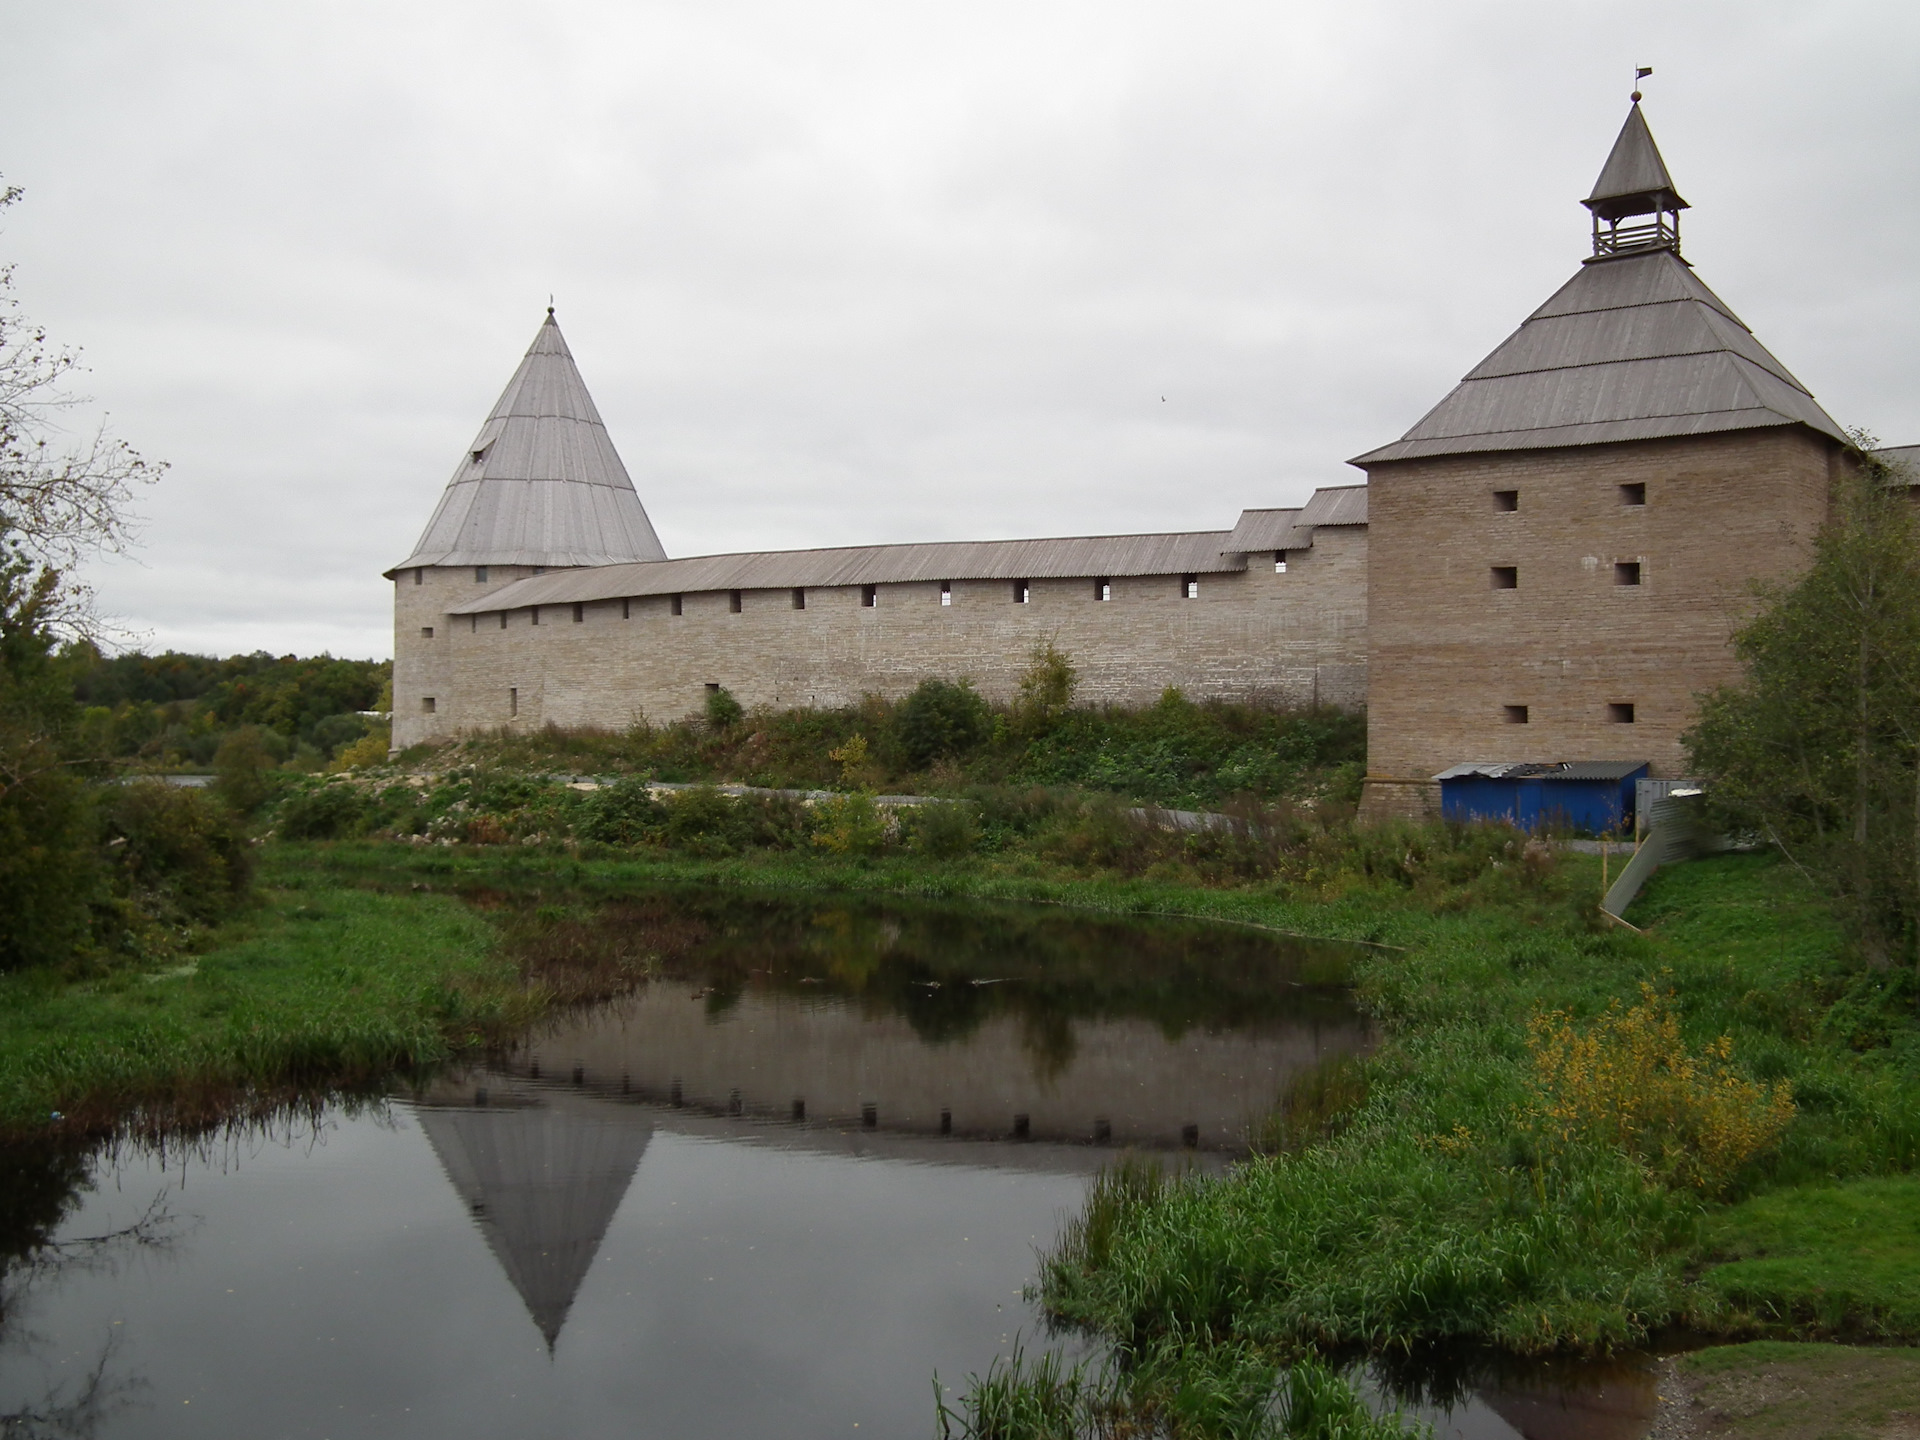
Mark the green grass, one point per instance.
(1834, 1259)
(319, 984)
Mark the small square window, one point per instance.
(426, 632)
(1514, 714)
(626, 608)
(539, 569)
(799, 598)
(1022, 592)
(869, 596)
(419, 576)
(1635, 494)
(426, 704)
(733, 602)
(1626, 572)
(1189, 587)
(503, 619)
(479, 574)
(513, 702)
(1279, 562)
(1506, 577)
(676, 605)
(473, 624)
(1103, 590)
(1506, 500)
(579, 612)
(713, 687)
(534, 611)
(946, 592)
(1620, 713)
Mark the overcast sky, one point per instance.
(844, 273)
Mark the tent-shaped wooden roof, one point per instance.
(541, 484)
(1633, 347)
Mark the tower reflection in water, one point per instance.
(985, 1036)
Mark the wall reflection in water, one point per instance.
(985, 1021)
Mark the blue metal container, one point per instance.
(1593, 797)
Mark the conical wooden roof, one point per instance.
(541, 484)
(542, 1181)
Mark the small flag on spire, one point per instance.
(1640, 72)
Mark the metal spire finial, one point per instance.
(1640, 72)
(549, 305)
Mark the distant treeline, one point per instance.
(174, 710)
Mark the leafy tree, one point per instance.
(1818, 747)
(240, 769)
(56, 506)
(47, 868)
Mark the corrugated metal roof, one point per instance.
(1907, 456)
(1085, 556)
(541, 484)
(1293, 529)
(1336, 505)
(1631, 348)
(1634, 181)
(1266, 530)
(1549, 770)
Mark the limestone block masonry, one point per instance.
(1297, 637)
(1571, 603)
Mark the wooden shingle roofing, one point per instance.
(1633, 347)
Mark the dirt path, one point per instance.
(1773, 1391)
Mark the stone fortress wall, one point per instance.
(1297, 637)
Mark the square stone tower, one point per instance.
(1561, 550)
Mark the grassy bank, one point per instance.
(1475, 1186)
(944, 739)
(319, 983)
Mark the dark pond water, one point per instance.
(772, 1192)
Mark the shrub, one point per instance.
(335, 731)
(941, 719)
(705, 822)
(943, 832)
(623, 813)
(370, 749)
(1629, 1081)
(850, 825)
(856, 764)
(723, 711)
(1046, 689)
(47, 869)
(177, 852)
(328, 812)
